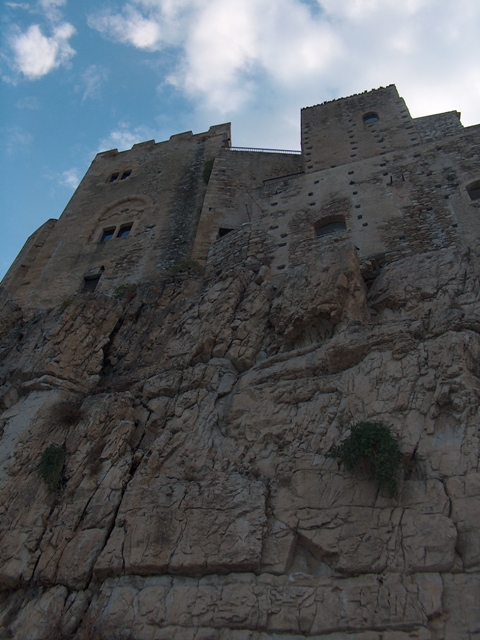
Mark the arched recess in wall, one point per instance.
(473, 190)
(135, 204)
(371, 116)
(332, 224)
(121, 214)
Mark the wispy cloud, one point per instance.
(31, 103)
(70, 178)
(51, 8)
(91, 82)
(16, 138)
(35, 54)
(17, 5)
(125, 136)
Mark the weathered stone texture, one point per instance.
(198, 501)
(197, 409)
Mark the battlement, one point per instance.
(367, 172)
(354, 95)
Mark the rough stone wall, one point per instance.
(231, 196)
(334, 133)
(196, 410)
(197, 500)
(395, 204)
(438, 126)
(30, 261)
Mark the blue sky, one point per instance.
(81, 77)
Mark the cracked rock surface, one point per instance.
(196, 499)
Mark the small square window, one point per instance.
(90, 284)
(114, 177)
(126, 174)
(124, 231)
(107, 235)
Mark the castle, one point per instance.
(186, 348)
(393, 184)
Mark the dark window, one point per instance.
(223, 232)
(126, 174)
(124, 231)
(90, 283)
(114, 177)
(107, 234)
(473, 190)
(324, 228)
(370, 117)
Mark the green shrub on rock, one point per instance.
(372, 451)
(51, 466)
(187, 265)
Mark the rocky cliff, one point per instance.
(195, 500)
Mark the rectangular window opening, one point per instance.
(107, 234)
(114, 177)
(124, 231)
(90, 284)
(126, 174)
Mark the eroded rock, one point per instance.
(197, 499)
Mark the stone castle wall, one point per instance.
(161, 200)
(397, 183)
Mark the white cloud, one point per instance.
(36, 54)
(225, 44)
(70, 178)
(235, 55)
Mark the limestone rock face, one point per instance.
(196, 499)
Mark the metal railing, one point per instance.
(289, 151)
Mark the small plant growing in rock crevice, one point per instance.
(125, 291)
(67, 412)
(51, 466)
(187, 265)
(371, 450)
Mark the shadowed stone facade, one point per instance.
(398, 190)
(195, 333)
